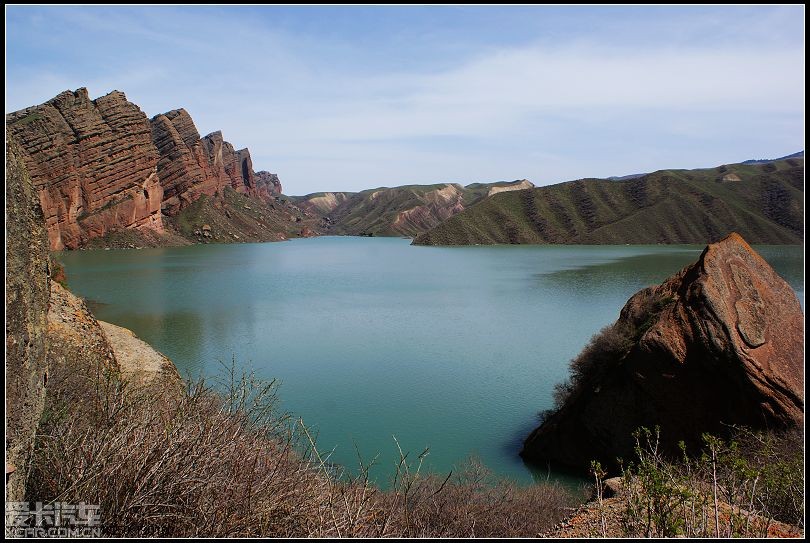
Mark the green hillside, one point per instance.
(762, 202)
(399, 211)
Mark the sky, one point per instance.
(349, 98)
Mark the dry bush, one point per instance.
(609, 345)
(200, 464)
(603, 349)
(734, 488)
(224, 461)
(472, 503)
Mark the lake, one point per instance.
(455, 349)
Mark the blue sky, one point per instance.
(348, 98)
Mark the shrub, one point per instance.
(224, 461)
(611, 343)
(733, 488)
(56, 271)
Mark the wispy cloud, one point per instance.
(341, 108)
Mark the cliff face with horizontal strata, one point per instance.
(93, 164)
(100, 165)
(721, 344)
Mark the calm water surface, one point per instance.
(455, 349)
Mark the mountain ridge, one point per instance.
(764, 202)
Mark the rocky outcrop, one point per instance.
(191, 166)
(138, 361)
(235, 168)
(26, 309)
(718, 344)
(268, 185)
(523, 184)
(77, 347)
(101, 165)
(91, 362)
(183, 166)
(93, 164)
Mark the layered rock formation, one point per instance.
(438, 205)
(101, 165)
(191, 166)
(93, 164)
(718, 344)
(26, 309)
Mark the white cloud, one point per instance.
(325, 116)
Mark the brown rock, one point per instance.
(101, 165)
(228, 166)
(26, 310)
(93, 164)
(613, 487)
(723, 345)
(81, 348)
(190, 166)
(139, 362)
(268, 185)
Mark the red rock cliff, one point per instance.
(267, 185)
(93, 163)
(718, 344)
(101, 164)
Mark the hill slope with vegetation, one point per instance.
(398, 211)
(763, 202)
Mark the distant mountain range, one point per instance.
(763, 202)
(399, 211)
(109, 176)
(800, 154)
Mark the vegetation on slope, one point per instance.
(751, 485)
(733, 488)
(230, 217)
(763, 202)
(399, 211)
(225, 461)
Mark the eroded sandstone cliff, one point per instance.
(101, 167)
(718, 344)
(93, 163)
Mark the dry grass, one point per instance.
(223, 461)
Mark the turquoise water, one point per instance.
(455, 349)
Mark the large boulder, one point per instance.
(718, 344)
